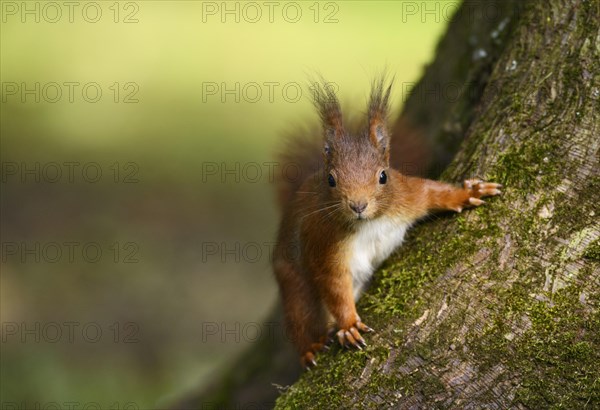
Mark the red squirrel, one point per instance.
(342, 222)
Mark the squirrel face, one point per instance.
(356, 165)
(357, 176)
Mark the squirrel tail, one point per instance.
(300, 157)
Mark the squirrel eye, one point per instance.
(382, 177)
(331, 180)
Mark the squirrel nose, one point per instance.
(358, 207)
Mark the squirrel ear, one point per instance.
(330, 112)
(378, 112)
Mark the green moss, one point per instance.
(557, 357)
(593, 251)
(530, 165)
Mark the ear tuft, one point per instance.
(328, 107)
(378, 112)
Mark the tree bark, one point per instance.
(497, 307)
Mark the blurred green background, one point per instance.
(162, 223)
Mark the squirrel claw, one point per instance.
(308, 360)
(317, 347)
(364, 328)
(328, 339)
(477, 189)
(351, 337)
(476, 201)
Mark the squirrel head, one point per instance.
(356, 165)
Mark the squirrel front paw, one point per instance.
(477, 189)
(351, 336)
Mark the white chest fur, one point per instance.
(374, 241)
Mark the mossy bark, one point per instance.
(497, 307)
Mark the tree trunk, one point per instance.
(498, 307)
